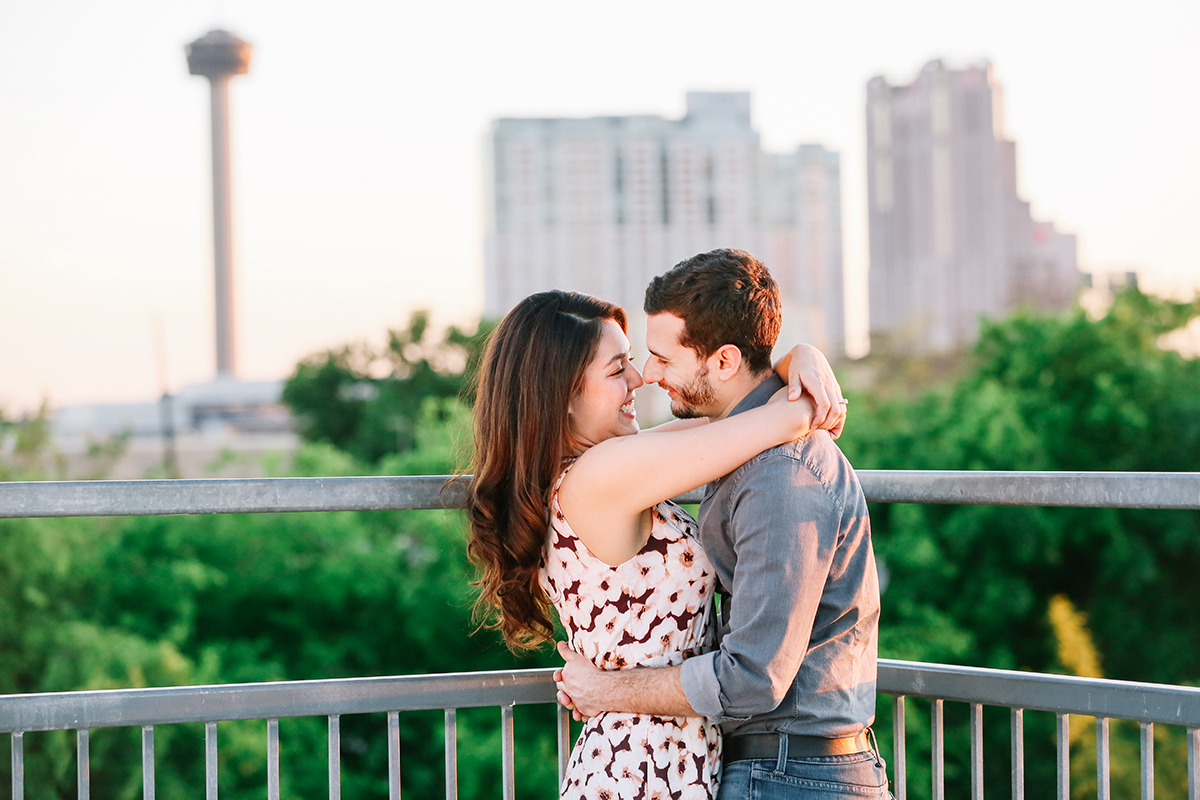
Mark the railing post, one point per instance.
(18, 765)
(451, 738)
(1147, 760)
(335, 757)
(83, 772)
(1193, 758)
(899, 769)
(1018, 754)
(147, 762)
(939, 764)
(210, 761)
(272, 759)
(1064, 756)
(393, 746)
(1103, 789)
(976, 751)
(509, 778)
(564, 741)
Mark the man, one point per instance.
(793, 683)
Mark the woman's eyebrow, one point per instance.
(619, 356)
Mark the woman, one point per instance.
(569, 508)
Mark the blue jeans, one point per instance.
(858, 775)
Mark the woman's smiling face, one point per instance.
(603, 407)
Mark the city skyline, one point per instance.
(358, 144)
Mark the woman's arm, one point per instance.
(677, 425)
(805, 369)
(619, 478)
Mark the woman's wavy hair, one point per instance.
(533, 366)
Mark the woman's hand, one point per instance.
(806, 370)
(799, 413)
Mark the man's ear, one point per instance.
(725, 362)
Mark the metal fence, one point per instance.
(1146, 704)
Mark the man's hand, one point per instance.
(808, 371)
(577, 682)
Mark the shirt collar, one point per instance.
(759, 395)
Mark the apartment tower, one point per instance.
(603, 204)
(950, 239)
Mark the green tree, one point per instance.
(974, 584)
(106, 603)
(367, 402)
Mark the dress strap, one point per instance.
(554, 511)
(567, 464)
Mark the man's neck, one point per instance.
(737, 392)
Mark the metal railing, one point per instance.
(1146, 704)
(146, 708)
(1177, 490)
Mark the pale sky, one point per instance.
(359, 139)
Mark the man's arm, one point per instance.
(589, 691)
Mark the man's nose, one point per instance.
(651, 373)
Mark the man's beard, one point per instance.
(698, 394)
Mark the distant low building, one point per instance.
(950, 238)
(224, 404)
(221, 428)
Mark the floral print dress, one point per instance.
(654, 610)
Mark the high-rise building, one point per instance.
(950, 239)
(603, 204)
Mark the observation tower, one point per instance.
(219, 55)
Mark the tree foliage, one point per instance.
(366, 401)
(150, 601)
(975, 584)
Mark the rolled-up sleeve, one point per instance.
(784, 532)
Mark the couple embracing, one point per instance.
(772, 695)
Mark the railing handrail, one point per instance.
(83, 710)
(166, 705)
(1038, 691)
(1167, 490)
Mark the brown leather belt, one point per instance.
(742, 746)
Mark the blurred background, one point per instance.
(362, 155)
(984, 215)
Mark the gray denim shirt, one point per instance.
(790, 540)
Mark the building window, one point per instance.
(666, 186)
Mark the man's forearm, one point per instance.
(642, 690)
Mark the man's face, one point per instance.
(677, 368)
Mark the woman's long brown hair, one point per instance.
(533, 366)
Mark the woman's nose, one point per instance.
(635, 377)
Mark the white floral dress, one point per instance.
(654, 610)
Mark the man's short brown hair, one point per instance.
(723, 297)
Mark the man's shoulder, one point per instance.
(809, 452)
(813, 459)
